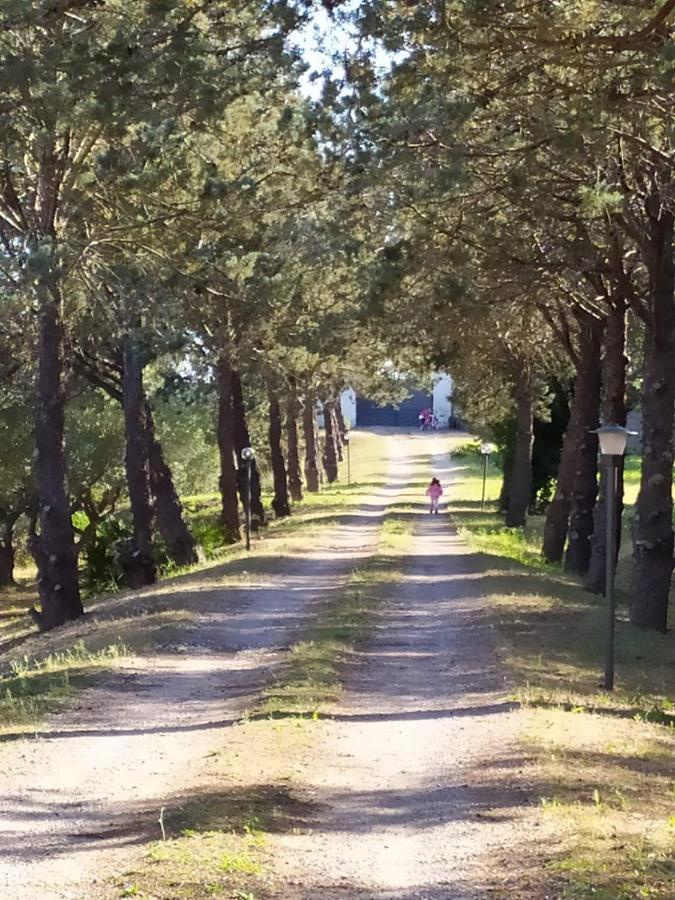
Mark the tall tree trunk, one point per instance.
(309, 429)
(241, 440)
(653, 522)
(280, 503)
(320, 449)
(585, 490)
(614, 363)
(137, 560)
(54, 550)
(558, 512)
(507, 475)
(330, 463)
(7, 550)
(294, 476)
(229, 515)
(179, 542)
(341, 427)
(337, 430)
(521, 474)
(582, 417)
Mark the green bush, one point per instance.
(469, 448)
(102, 569)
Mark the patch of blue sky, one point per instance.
(324, 43)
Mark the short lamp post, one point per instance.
(345, 441)
(486, 450)
(613, 440)
(248, 456)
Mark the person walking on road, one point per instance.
(434, 493)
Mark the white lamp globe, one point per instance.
(613, 439)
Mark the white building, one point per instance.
(361, 411)
(442, 393)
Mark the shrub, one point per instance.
(469, 448)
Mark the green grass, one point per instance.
(32, 688)
(486, 526)
(631, 479)
(605, 761)
(211, 847)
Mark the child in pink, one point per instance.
(434, 493)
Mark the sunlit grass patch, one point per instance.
(31, 688)
(484, 525)
(617, 810)
(211, 847)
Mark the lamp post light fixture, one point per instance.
(345, 441)
(613, 440)
(486, 450)
(248, 456)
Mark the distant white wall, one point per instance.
(348, 405)
(634, 423)
(442, 394)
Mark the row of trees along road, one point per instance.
(524, 157)
(482, 186)
(171, 233)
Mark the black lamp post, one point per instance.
(248, 456)
(613, 440)
(345, 441)
(486, 450)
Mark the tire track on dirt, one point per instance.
(418, 787)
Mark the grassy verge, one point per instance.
(216, 844)
(32, 688)
(605, 761)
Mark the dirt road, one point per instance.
(83, 792)
(415, 787)
(418, 786)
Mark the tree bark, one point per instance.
(521, 473)
(280, 503)
(330, 462)
(319, 450)
(505, 490)
(229, 516)
(180, 544)
(309, 429)
(54, 549)
(294, 476)
(137, 559)
(585, 489)
(614, 363)
(652, 525)
(341, 428)
(7, 551)
(558, 514)
(241, 440)
(337, 430)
